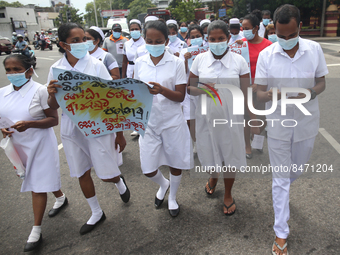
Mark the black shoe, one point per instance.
(174, 213)
(126, 196)
(32, 246)
(54, 212)
(159, 202)
(86, 228)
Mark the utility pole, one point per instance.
(101, 15)
(323, 18)
(95, 12)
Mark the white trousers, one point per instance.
(286, 155)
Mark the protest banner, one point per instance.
(99, 107)
(194, 52)
(243, 50)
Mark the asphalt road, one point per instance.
(201, 227)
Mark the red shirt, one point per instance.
(254, 51)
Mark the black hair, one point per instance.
(24, 60)
(258, 14)
(158, 25)
(186, 23)
(204, 25)
(64, 32)
(195, 27)
(253, 19)
(173, 26)
(95, 35)
(218, 24)
(235, 26)
(285, 13)
(132, 23)
(266, 12)
(212, 16)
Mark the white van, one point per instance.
(121, 21)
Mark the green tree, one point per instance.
(100, 5)
(139, 6)
(75, 17)
(185, 10)
(7, 4)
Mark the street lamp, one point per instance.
(95, 11)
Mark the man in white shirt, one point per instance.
(295, 63)
(264, 23)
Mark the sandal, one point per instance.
(229, 214)
(280, 248)
(210, 188)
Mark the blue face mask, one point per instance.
(265, 21)
(91, 45)
(272, 38)
(197, 41)
(218, 48)
(155, 50)
(248, 34)
(79, 50)
(240, 24)
(184, 29)
(234, 37)
(135, 34)
(288, 44)
(18, 79)
(116, 34)
(172, 38)
(206, 37)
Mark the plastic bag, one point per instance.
(13, 156)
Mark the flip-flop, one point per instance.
(210, 188)
(233, 203)
(279, 247)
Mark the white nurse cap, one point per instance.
(204, 21)
(135, 21)
(234, 21)
(171, 21)
(149, 18)
(97, 29)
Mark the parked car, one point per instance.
(5, 45)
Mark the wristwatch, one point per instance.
(313, 94)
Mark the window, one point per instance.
(2, 15)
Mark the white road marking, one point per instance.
(330, 139)
(45, 58)
(60, 146)
(333, 65)
(334, 44)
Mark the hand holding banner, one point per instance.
(99, 107)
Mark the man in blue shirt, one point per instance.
(22, 45)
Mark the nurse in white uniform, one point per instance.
(222, 143)
(175, 44)
(164, 142)
(95, 38)
(83, 153)
(196, 37)
(130, 48)
(204, 25)
(24, 102)
(292, 62)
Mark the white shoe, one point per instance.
(134, 133)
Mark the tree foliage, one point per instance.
(76, 18)
(7, 4)
(139, 6)
(307, 8)
(185, 9)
